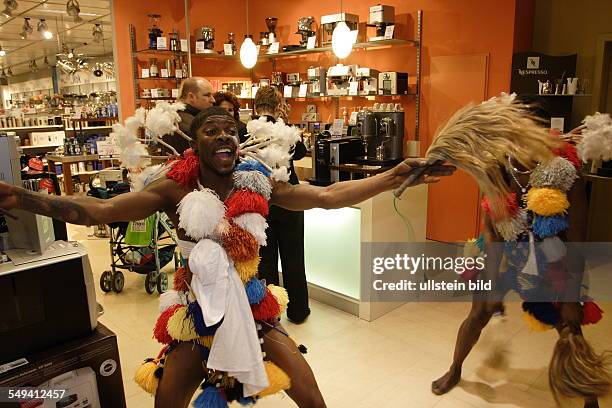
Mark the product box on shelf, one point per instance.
(87, 371)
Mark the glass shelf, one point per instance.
(339, 96)
(159, 98)
(160, 79)
(148, 51)
(562, 96)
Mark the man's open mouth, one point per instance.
(225, 153)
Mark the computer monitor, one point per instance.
(29, 231)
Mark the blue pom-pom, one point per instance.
(194, 312)
(253, 165)
(204, 352)
(210, 398)
(246, 401)
(545, 312)
(480, 243)
(545, 227)
(255, 290)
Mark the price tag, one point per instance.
(258, 48)
(254, 91)
(178, 73)
(184, 45)
(336, 129)
(154, 93)
(175, 93)
(274, 47)
(303, 90)
(164, 73)
(145, 72)
(354, 35)
(353, 88)
(244, 93)
(353, 119)
(199, 49)
(77, 112)
(67, 111)
(162, 43)
(312, 42)
(389, 32)
(288, 91)
(227, 49)
(557, 123)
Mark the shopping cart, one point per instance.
(144, 247)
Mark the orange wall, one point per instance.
(451, 27)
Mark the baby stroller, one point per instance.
(144, 247)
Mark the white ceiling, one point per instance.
(75, 35)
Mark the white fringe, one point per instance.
(199, 213)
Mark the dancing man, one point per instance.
(534, 207)
(220, 329)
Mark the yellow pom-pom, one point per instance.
(180, 327)
(145, 377)
(206, 341)
(281, 297)
(278, 379)
(534, 324)
(547, 201)
(248, 269)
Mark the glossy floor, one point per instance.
(387, 363)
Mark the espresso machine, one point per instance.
(368, 81)
(305, 29)
(380, 18)
(382, 134)
(339, 78)
(206, 35)
(329, 22)
(271, 23)
(317, 81)
(330, 151)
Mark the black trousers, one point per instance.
(286, 236)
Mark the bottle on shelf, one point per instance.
(169, 67)
(153, 70)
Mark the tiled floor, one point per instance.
(387, 363)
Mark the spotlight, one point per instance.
(2, 73)
(9, 72)
(9, 7)
(43, 29)
(46, 61)
(73, 9)
(97, 33)
(33, 66)
(2, 52)
(27, 27)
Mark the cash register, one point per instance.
(47, 292)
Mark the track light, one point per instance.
(46, 61)
(43, 29)
(2, 73)
(9, 7)
(97, 33)
(33, 66)
(2, 52)
(9, 72)
(73, 8)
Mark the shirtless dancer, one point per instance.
(215, 132)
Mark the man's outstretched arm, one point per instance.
(86, 210)
(303, 196)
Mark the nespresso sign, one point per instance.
(530, 67)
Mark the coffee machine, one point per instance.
(271, 23)
(380, 18)
(305, 30)
(368, 81)
(206, 35)
(330, 151)
(382, 134)
(392, 83)
(329, 22)
(339, 78)
(317, 81)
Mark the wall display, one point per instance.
(382, 18)
(305, 29)
(154, 31)
(205, 40)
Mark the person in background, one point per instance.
(228, 101)
(285, 228)
(196, 94)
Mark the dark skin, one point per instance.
(184, 370)
(482, 311)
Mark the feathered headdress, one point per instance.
(596, 143)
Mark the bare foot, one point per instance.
(445, 383)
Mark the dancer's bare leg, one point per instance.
(283, 352)
(468, 335)
(183, 373)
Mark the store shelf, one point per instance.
(102, 119)
(561, 96)
(39, 147)
(92, 128)
(340, 96)
(160, 79)
(160, 98)
(83, 173)
(216, 56)
(157, 52)
(30, 127)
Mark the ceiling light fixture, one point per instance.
(248, 49)
(2, 73)
(26, 29)
(9, 7)
(342, 41)
(43, 29)
(73, 8)
(9, 72)
(33, 66)
(46, 61)
(2, 52)
(97, 33)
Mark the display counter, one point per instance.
(333, 241)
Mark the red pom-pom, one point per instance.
(570, 153)
(470, 274)
(163, 351)
(511, 207)
(267, 309)
(240, 245)
(591, 313)
(180, 280)
(160, 331)
(245, 201)
(185, 171)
